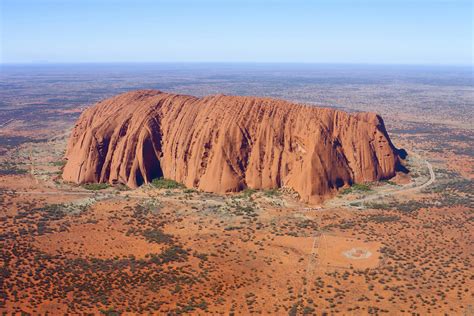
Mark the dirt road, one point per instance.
(389, 192)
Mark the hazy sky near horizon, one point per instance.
(322, 31)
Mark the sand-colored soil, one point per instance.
(95, 241)
(66, 249)
(342, 253)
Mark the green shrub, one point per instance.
(248, 192)
(7, 168)
(162, 183)
(59, 163)
(272, 193)
(361, 187)
(95, 186)
(356, 187)
(190, 191)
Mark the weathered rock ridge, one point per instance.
(227, 143)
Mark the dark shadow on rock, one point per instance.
(402, 153)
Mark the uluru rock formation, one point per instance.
(227, 143)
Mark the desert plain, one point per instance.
(394, 247)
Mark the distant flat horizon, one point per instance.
(179, 75)
(289, 63)
(303, 31)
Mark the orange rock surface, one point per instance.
(228, 143)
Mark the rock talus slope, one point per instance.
(227, 143)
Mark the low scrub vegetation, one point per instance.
(174, 253)
(59, 163)
(11, 169)
(383, 218)
(272, 193)
(248, 192)
(357, 187)
(157, 236)
(162, 183)
(95, 186)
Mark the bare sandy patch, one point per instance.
(96, 241)
(343, 252)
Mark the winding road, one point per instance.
(6, 123)
(390, 192)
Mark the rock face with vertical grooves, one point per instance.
(228, 143)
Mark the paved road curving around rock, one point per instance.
(404, 190)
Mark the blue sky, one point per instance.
(321, 31)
